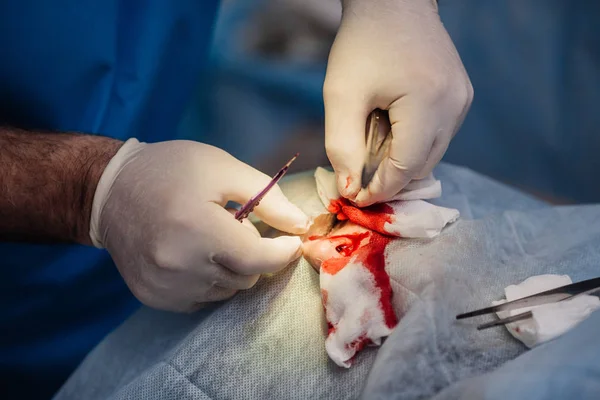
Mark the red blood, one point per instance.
(334, 265)
(374, 261)
(315, 237)
(372, 256)
(358, 344)
(324, 295)
(373, 217)
(346, 248)
(330, 328)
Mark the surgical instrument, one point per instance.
(254, 201)
(378, 137)
(562, 293)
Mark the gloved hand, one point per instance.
(394, 55)
(159, 211)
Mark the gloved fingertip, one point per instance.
(277, 211)
(302, 223)
(306, 233)
(253, 280)
(292, 244)
(363, 199)
(281, 252)
(348, 186)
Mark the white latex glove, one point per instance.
(159, 211)
(394, 55)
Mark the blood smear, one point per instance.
(346, 248)
(359, 344)
(375, 262)
(324, 296)
(355, 239)
(372, 256)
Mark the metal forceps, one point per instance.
(254, 201)
(378, 137)
(566, 292)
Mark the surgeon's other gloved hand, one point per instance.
(394, 55)
(159, 211)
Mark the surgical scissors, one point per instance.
(549, 296)
(254, 201)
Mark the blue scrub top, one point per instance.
(118, 68)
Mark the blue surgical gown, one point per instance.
(118, 68)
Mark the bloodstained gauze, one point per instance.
(373, 217)
(356, 289)
(364, 251)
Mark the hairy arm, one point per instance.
(47, 184)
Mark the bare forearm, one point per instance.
(47, 183)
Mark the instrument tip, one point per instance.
(291, 161)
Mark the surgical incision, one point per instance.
(330, 239)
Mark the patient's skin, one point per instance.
(318, 247)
